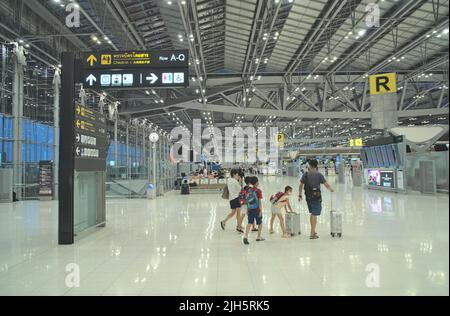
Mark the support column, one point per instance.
(136, 140)
(2, 101)
(144, 152)
(56, 89)
(160, 169)
(154, 176)
(17, 112)
(127, 146)
(116, 161)
(66, 157)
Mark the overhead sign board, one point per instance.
(136, 59)
(383, 83)
(90, 144)
(358, 142)
(150, 78)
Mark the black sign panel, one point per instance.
(136, 59)
(387, 179)
(90, 144)
(155, 78)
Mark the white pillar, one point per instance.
(17, 112)
(127, 153)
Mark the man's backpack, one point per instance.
(312, 192)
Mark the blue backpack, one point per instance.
(252, 200)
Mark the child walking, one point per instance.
(255, 211)
(280, 201)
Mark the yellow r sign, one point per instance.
(384, 83)
(281, 140)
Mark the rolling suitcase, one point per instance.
(335, 222)
(185, 189)
(293, 224)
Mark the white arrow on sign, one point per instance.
(78, 151)
(78, 138)
(91, 79)
(152, 78)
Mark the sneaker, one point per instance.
(245, 240)
(222, 224)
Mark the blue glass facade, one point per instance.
(38, 140)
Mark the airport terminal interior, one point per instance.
(224, 148)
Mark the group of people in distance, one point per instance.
(245, 199)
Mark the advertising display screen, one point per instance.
(381, 178)
(374, 178)
(387, 179)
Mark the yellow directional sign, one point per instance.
(92, 60)
(358, 142)
(106, 60)
(383, 83)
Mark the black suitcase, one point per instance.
(185, 189)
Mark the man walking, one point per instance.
(311, 182)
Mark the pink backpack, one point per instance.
(275, 198)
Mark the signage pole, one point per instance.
(66, 157)
(154, 166)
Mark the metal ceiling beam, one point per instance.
(302, 114)
(317, 33)
(95, 25)
(251, 42)
(127, 25)
(375, 34)
(47, 16)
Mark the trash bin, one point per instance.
(151, 192)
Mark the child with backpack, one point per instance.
(254, 206)
(280, 201)
(243, 196)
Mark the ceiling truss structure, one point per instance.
(256, 62)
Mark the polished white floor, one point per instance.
(174, 246)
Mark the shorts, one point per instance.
(314, 207)
(253, 215)
(236, 203)
(275, 210)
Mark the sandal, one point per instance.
(222, 224)
(315, 236)
(260, 239)
(286, 236)
(240, 230)
(271, 232)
